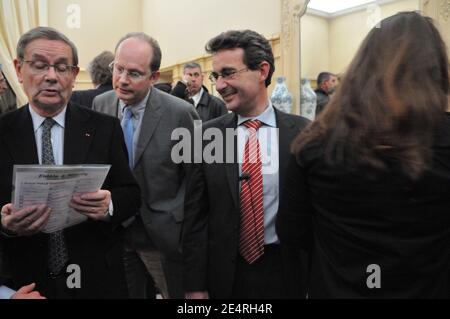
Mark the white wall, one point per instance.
(315, 48)
(348, 31)
(182, 28)
(103, 23)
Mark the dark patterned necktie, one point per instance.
(57, 250)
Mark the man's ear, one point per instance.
(265, 68)
(155, 77)
(75, 73)
(18, 67)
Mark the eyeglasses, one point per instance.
(132, 75)
(39, 67)
(227, 74)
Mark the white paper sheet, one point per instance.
(55, 186)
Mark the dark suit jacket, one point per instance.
(322, 99)
(89, 138)
(212, 218)
(349, 221)
(209, 107)
(85, 97)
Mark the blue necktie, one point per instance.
(128, 131)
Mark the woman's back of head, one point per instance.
(390, 101)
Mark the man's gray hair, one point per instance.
(48, 34)
(99, 70)
(192, 65)
(155, 63)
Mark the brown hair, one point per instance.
(390, 101)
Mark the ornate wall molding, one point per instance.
(445, 10)
(291, 13)
(439, 10)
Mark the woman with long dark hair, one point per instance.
(368, 188)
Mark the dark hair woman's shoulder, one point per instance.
(311, 154)
(443, 133)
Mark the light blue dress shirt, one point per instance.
(138, 111)
(268, 141)
(6, 293)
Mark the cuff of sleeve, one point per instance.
(110, 208)
(6, 293)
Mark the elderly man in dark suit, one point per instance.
(49, 130)
(230, 248)
(149, 116)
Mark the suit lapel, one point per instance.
(287, 131)
(78, 134)
(232, 169)
(116, 106)
(152, 116)
(20, 138)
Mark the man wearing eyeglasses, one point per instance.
(230, 247)
(50, 130)
(191, 88)
(149, 116)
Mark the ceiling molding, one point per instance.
(362, 7)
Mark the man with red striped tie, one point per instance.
(230, 247)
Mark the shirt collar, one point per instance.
(267, 117)
(136, 108)
(60, 119)
(197, 96)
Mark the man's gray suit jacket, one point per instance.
(162, 181)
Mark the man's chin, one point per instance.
(49, 107)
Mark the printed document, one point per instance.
(55, 186)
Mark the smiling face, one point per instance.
(244, 92)
(47, 91)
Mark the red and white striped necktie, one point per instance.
(251, 241)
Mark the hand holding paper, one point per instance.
(93, 205)
(72, 192)
(26, 221)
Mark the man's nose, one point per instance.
(51, 75)
(220, 84)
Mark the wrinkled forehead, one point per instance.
(228, 59)
(49, 50)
